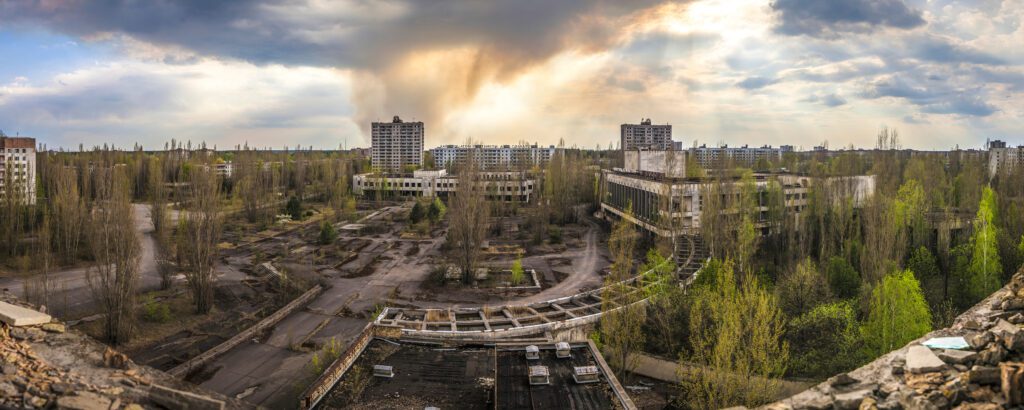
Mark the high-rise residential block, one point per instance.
(396, 144)
(18, 167)
(646, 136)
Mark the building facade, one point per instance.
(646, 136)
(396, 144)
(715, 157)
(18, 167)
(667, 206)
(1002, 158)
(509, 186)
(493, 157)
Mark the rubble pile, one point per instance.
(978, 363)
(43, 365)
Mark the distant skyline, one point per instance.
(308, 72)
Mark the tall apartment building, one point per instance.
(1002, 158)
(493, 157)
(713, 157)
(18, 167)
(396, 144)
(646, 136)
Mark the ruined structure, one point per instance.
(978, 363)
(46, 365)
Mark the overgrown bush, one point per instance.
(824, 341)
(156, 312)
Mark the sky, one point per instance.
(944, 73)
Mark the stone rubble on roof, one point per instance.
(986, 375)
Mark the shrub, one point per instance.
(156, 312)
(555, 234)
(517, 272)
(327, 234)
(824, 341)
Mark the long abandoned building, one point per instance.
(653, 192)
(509, 186)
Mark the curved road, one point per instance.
(70, 295)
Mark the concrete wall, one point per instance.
(672, 164)
(197, 362)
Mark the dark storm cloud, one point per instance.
(356, 34)
(830, 17)
(373, 38)
(756, 83)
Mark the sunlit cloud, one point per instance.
(740, 72)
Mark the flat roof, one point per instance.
(468, 377)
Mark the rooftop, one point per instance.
(470, 377)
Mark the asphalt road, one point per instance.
(71, 296)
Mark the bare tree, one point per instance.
(198, 232)
(468, 217)
(68, 211)
(116, 253)
(161, 222)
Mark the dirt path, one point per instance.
(585, 271)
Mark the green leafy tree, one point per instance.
(843, 279)
(986, 267)
(737, 347)
(802, 289)
(294, 208)
(926, 269)
(436, 211)
(621, 320)
(517, 272)
(898, 314)
(417, 213)
(327, 233)
(824, 341)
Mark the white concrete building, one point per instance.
(1002, 158)
(493, 157)
(396, 144)
(714, 157)
(645, 189)
(18, 167)
(645, 136)
(501, 186)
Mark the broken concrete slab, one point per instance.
(83, 401)
(1010, 334)
(182, 400)
(920, 359)
(14, 315)
(850, 400)
(957, 356)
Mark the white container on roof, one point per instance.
(539, 375)
(380, 370)
(562, 350)
(586, 374)
(532, 352)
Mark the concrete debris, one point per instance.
(957, 356)
(920, 359)
(14, 315)
(45, 365)
(975, 364)
(1012, 383)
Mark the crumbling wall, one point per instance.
(988, 373)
